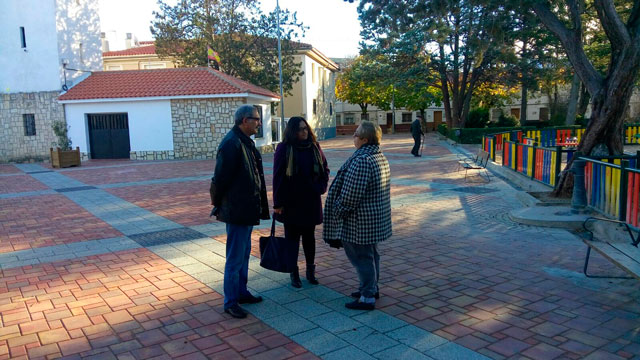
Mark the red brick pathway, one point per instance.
(37, 221)
(20, 183)
(129, 303)
(150, 171)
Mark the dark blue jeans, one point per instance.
(416, 145)
(366, 260)
(236, 266)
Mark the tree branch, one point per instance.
(633, 24)
(613, 26)
(572, 44)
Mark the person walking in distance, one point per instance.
(416, 132)
(239, 197)
(300, 177)
(358, 211)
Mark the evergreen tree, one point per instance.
(243, 36)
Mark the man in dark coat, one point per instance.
(416, 132)
(240, 200)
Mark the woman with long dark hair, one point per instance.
(300, 177)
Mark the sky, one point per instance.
(334, 28)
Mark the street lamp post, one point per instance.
(280, 70)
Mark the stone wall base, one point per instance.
(152, 155)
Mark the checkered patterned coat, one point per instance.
(358, 205)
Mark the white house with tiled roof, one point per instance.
(160, 114)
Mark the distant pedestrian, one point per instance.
(358, 211)
(239, 197)
(416, 132)
(300, 177)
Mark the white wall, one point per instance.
(266, 139)
(35, 68)
(78, 28)
(150, 126)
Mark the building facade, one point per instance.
(43, 52)
(161, 114)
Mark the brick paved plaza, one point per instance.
(119, 259)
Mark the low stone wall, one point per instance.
(200, 124)
(14, 144)
(152, 155)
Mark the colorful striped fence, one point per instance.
(633, 200)
(602, 184)
(489, 145)
(632, 134)
(612, 185)
(539, 163)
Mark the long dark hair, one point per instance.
(291, 131)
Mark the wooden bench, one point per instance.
(605, 237)
(479, 163)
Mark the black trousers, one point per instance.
(416, 145)
(307, 233)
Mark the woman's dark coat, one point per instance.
(299, 194)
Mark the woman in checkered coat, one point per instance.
(357, 211)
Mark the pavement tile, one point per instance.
(368, 340)
(508, 346)
(401, 352)
(319, 341)
(349, 352)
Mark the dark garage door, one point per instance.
(109, 136)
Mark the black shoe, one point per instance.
(236, 311)
(250, 299)
(295, 279)
(417, 155)
(356, 295)
(311, 275)
(357, 305)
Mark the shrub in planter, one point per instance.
(62, 155)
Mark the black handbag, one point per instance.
(277, 253)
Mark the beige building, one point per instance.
(136, 58)
(312, 97)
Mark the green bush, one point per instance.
(442, 129)
(507, 121)
(477, 118)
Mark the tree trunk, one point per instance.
(445, 89)
(605, 127)
(363, 108)
(584, 101)
(573, 101)
(523, 103)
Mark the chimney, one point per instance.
(104, 41)
(127, 42)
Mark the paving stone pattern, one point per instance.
(119, 259)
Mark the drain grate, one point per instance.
(166, 236)
(79, 188)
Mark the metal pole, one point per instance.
(280, 70)
(393, 109)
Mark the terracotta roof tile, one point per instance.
(160, 83)
(140, 50)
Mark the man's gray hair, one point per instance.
(370, 131)
(243, 111)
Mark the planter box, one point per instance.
(65, 158)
